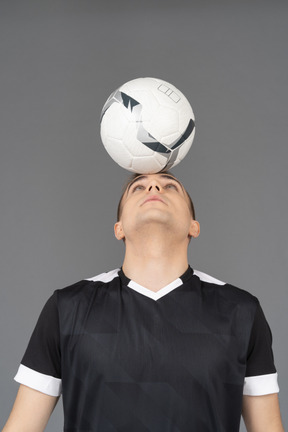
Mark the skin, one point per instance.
(31, 411)
(157, 225)
(157, 233)
(262, 413)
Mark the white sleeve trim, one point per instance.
(44, 383)
(261, 385)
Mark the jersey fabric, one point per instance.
(128, 359)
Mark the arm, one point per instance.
(262, 413)
(31, 411)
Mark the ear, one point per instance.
(194, 229)
(118, 231)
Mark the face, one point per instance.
(154, 198)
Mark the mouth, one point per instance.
(153, 198)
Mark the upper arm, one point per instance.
(31, 411)
(262, 413)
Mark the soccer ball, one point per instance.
(147, 125)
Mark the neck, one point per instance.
(154, 262)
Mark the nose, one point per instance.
(156, 187)
(154, 184)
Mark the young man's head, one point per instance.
(134, 177)
(156, 197)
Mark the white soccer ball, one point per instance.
(147, 125)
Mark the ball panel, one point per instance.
(121, 155)
(136, 148)
(165, 121)
(115, 122)
(149, 165)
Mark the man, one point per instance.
(155, 346)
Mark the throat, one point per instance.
(156, 259)
(154, 273)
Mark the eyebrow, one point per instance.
(142, 177)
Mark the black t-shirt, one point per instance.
(128, 359)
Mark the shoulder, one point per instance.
(84, 286)
(225, 290)
(105, 277)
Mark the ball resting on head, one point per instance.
(147, 125)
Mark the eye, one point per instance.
(171, 186)
(137, 187)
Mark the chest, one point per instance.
(129, 337)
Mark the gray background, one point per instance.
(59, 189)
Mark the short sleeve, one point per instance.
(40, 367)
(261, 375)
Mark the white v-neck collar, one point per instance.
(158, 294)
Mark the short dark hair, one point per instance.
(133, 177)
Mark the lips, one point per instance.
(153, 198)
